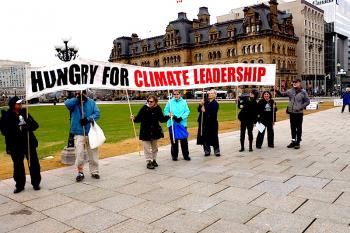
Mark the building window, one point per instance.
(261, 61)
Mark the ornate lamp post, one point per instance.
(67, 53)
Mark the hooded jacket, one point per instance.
(179, 108)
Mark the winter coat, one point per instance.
(346, 98)
(265, 113)
(179, 109)
(91, 112)
(150, 118)
(298, 100)
(249, 111)
(16, 132)
(210, 123)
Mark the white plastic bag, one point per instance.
(96, 136)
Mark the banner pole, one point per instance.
(237, 102)
(133, 123)
(82, 117)
(27, 115)
(171, 119)
(273, 107)
(202, 113)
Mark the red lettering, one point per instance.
(239, 74)
(247, 74)
(177, 76)
(146, 84)
(185, 77)
(160, 79)
(151, 78)
(216, 75)
(231, 74)
(195, 74)
(170, 77)
(137, 75)
(208, 74)
(261, 72)
(223, 75)
(202, 76)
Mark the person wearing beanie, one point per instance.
(17, 126)
(298, 100)
(248, 117)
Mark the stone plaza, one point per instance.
(267, 190)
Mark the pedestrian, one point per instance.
(84, 112)
(150, 131)
(267, 116)
(177, 109)
(208, 129)
(17, 126)
(346, 99)
(298, 100)
(248, 117)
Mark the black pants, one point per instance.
(270, 135)
(19, 174)
(343, 108)
(296, 126)
(175, 147)
(206, 147)
(249, 127)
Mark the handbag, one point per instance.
(180, 131)
(96, 136)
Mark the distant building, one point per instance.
(262, 35)
(308, 20)
(337, 35)
(12, 77)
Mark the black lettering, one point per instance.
(93, 70)
(124, 77)
(105, 75)
(74, 76)
(62, 78)
(37, 81)
(114, 77)
(50, 80)
(84, 73)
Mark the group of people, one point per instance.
(17, 126)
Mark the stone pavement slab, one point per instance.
(267, 190)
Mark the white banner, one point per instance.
(81, 74)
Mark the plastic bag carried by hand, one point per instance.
(96, 136)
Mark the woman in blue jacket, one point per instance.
(346, 99)
(177, 108)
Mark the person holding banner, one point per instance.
(298, 100)
(248, 117)
(208, 126)
(150, 131)
(267, 116)
(17, 125)
(178, 111)
(84, 112)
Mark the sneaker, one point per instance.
(297, 146)
(206, 154)
(95, 176)
(217, 155)
(155, 164)
(80, 177)
(291, 145)
(18, 190)
(258, 147)
(271, 146)
(150, 165)
(174, 159)
(187, 158)
(250, 149)
(241, 150)
(36, 187)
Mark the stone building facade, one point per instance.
(263, 35)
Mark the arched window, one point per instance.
(244, 50)
(253, 49)
(248, 49)
(178, 58)
(278, 49)
(218, 55)
(171, 60)
(228, 54)
(210, 56)
(214, 55)
(273, 48)
(164, 60)
(261, 61)
(252, 61)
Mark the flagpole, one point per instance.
(237, 102)
(133, 123)
(171, 118)
(273, 107)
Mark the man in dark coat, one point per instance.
(16, 127)
(248, 117)
(208, 136)
(346, 99)
(150, 131)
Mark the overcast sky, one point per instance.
(31, 28)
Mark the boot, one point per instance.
(250, 145)
(242, 146)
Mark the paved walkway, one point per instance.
(268, 190)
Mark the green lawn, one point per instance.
(54, 123)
